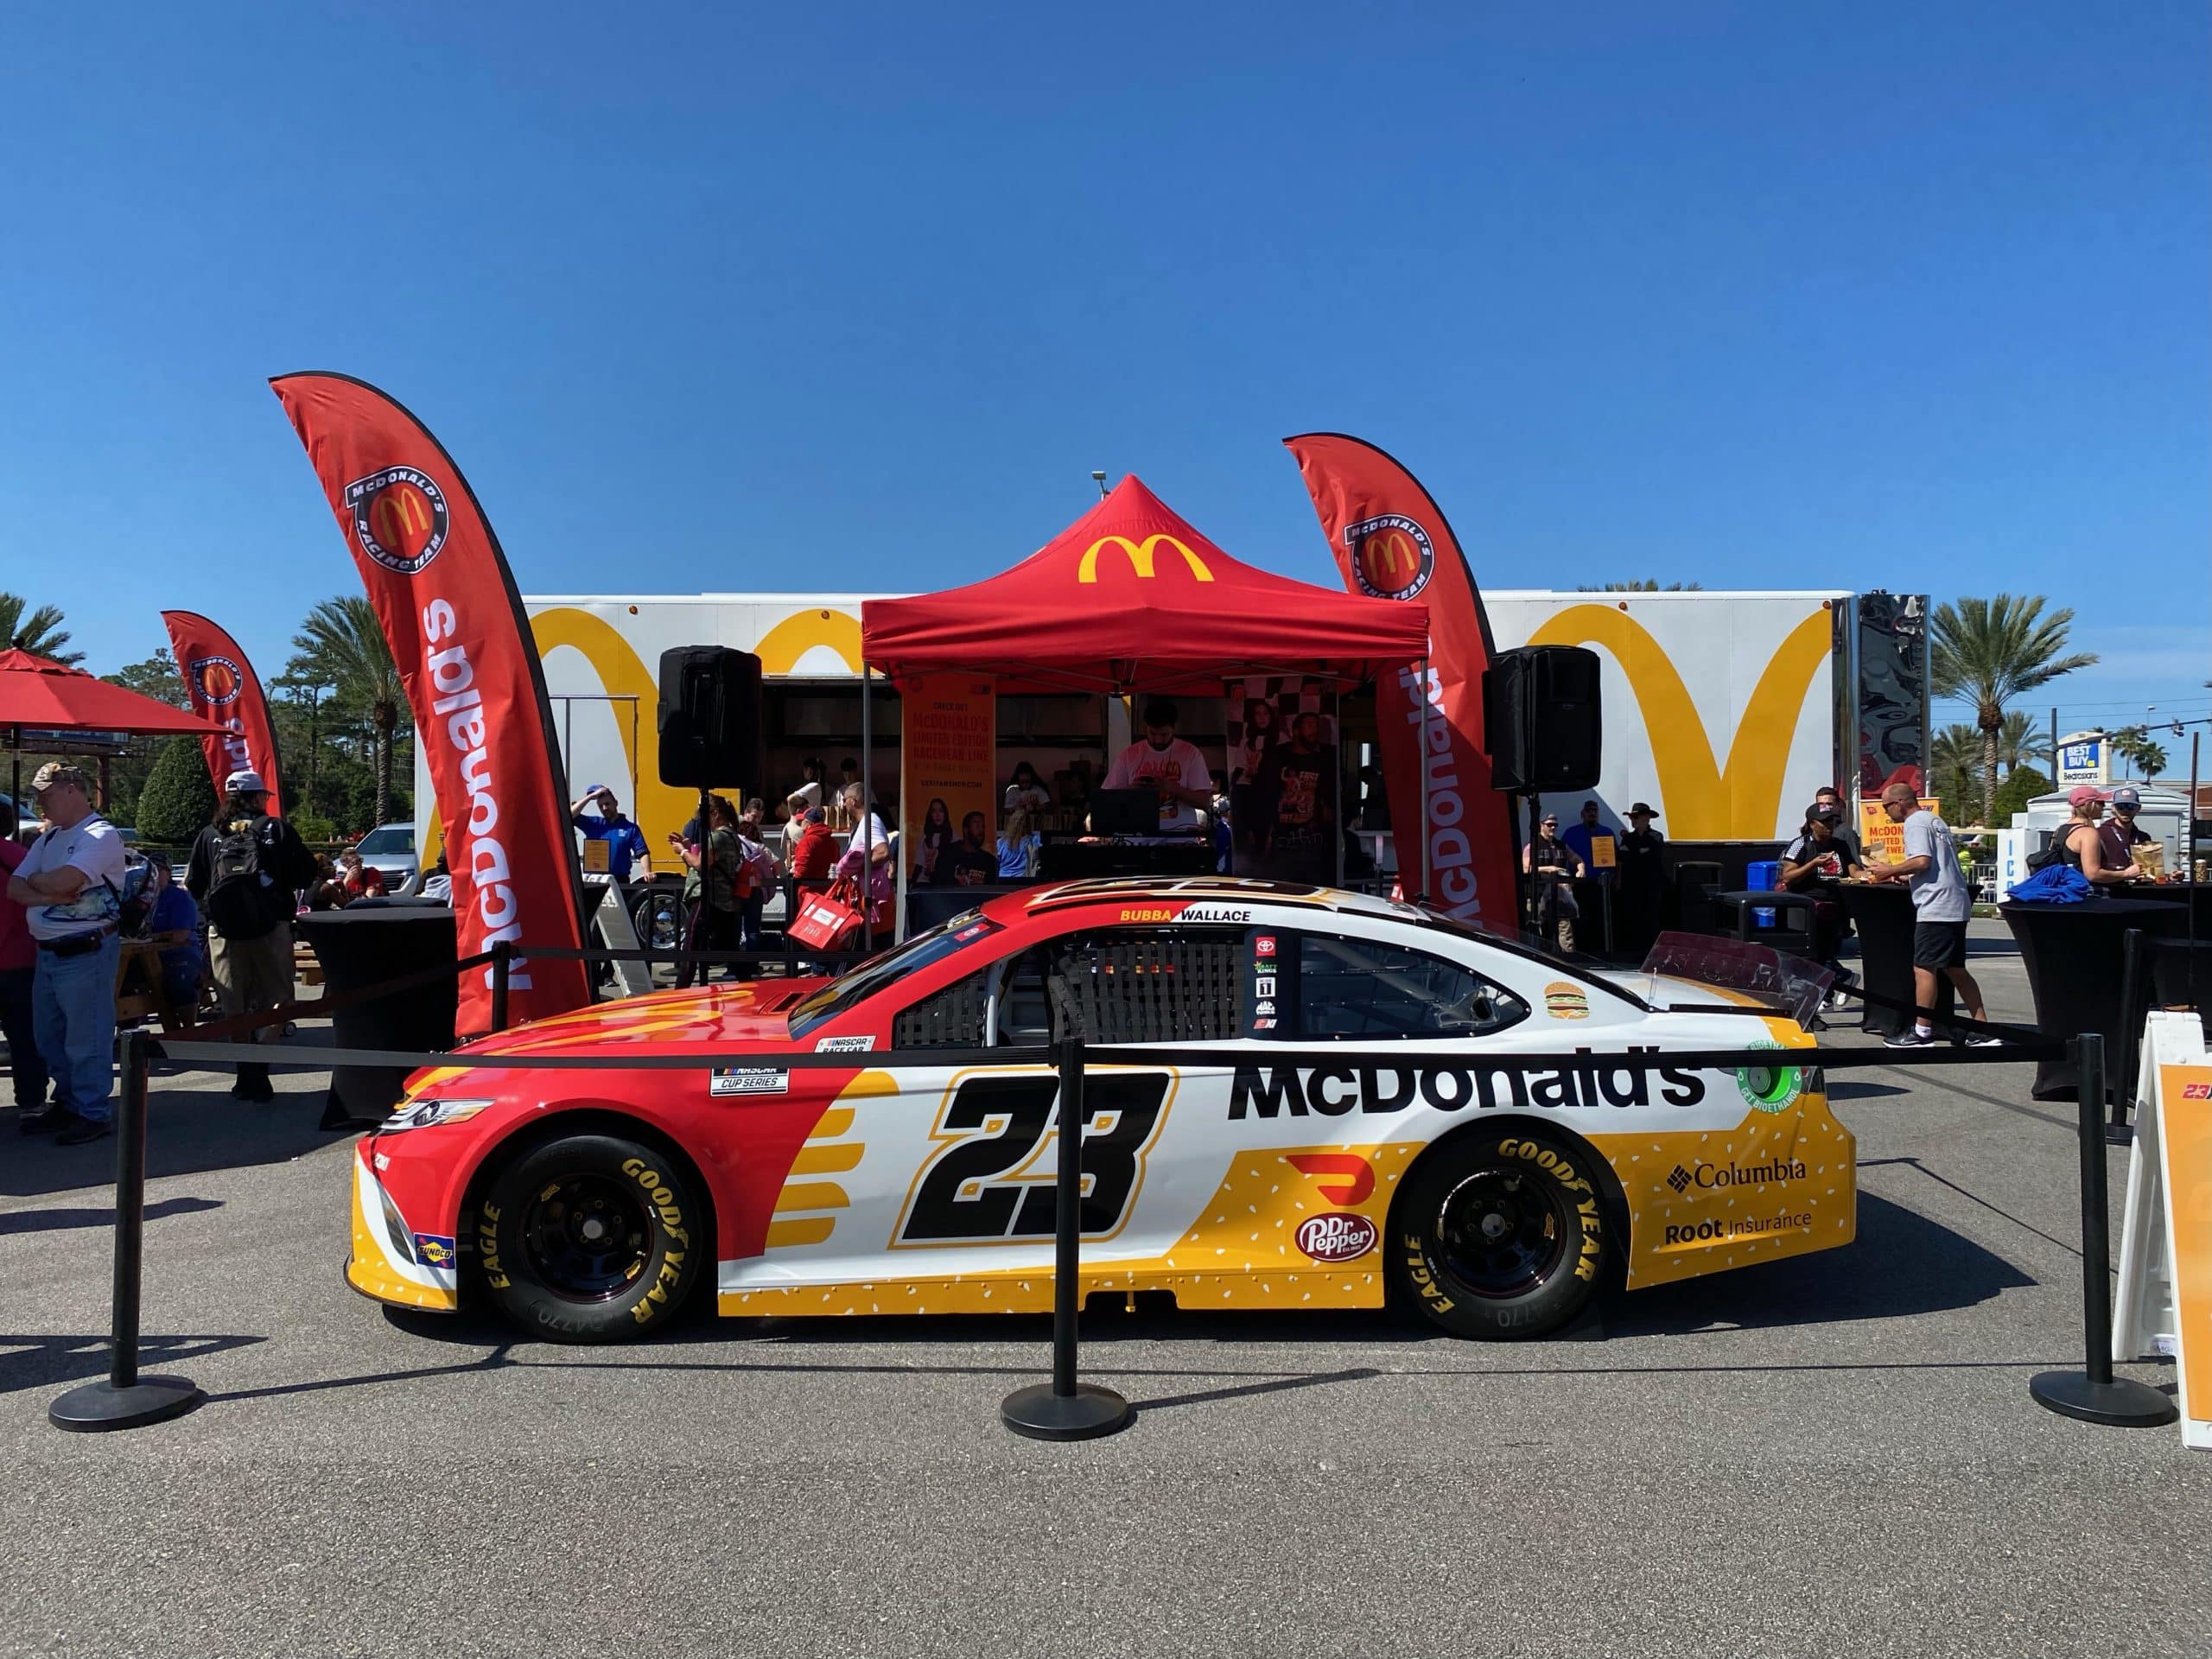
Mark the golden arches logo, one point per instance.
(1141, 556)
(1700, 800)
(1389, 558)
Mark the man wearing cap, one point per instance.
(1642, 873)
(18, 968)
(246, 870)
(71, 887)
(1812, 865)
(2118, 836)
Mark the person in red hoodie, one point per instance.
(18, 963)
(815, 853)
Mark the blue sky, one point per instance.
(1754, 295)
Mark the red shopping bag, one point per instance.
(823, 921)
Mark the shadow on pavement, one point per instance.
(1902, 1264)
(44, 1362)
(188, 1130)
(50, 1221)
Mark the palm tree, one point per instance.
(2019, 740)
(40, 633)
(343, 644)
(2132, 744)
(1987, 652)
(1954, 756)
(1643, 585)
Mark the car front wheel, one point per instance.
(590, 1238)
(1498, 1234)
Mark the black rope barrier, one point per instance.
(1064, 1408)
(2094, 1393)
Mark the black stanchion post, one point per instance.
(2134, 984)
(1065, 1409)
(502, 954)
(2094, 1393)
(125, 1399)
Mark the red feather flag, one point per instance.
(221, 686)
(1391, 541)
(442, 590)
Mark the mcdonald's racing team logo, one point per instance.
(1391, 556)
(1141, 555)
(399, 517)
(215, 681)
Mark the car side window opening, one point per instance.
(1357, 988)
(1117, 985)
(1146, 985)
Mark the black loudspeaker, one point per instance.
(709, 719)
(1540, 709)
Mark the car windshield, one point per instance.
(393, 838)
(886, 966)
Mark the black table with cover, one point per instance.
(1882, 915)
(369, 941)
(2073, 955)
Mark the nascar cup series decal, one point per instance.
(749, 1080)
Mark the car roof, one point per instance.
(1193, 889)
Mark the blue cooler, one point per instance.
(1762, 875)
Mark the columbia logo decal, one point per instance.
(1680, 1179)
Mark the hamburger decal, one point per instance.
(1566, 1001)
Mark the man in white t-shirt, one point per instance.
(1166, 764)
(70, 885)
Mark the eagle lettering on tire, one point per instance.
(1500, 1233)
(591, 1238)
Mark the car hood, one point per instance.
(757, 1011)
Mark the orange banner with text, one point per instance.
(947, 759)
(2186, 1141)
(1878, 836)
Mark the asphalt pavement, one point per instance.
(1835, 1455)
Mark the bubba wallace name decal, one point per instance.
(1334, 1091)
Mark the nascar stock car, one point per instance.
(1301, 1170)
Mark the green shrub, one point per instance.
(2013, 795)
(178, 799)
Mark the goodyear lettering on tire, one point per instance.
(487, 1247)
(1587, 1210)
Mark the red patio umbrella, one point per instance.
(38, 694)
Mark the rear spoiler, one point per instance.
(1776, 979)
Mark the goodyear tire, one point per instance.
(1499, 1234)
(590, 1238)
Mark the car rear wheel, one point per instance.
(1499, 1234)
(590, 1238)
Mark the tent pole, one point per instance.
(868, 807)
(1336, 814)
(1426, 713)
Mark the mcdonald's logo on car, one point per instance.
(1391, 556)
(1141, 556)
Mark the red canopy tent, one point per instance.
(1130, 598)
(40, 695)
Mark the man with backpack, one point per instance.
(246, 871)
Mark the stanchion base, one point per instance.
(1088, 1412)
(2120, 1403)
(97, 1406)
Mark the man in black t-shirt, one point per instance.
(970, 861)
(1300, 780)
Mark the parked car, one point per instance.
(388, 850)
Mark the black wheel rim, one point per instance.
(587, 1238)
(1502, 1232)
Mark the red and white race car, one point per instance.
(1302, 1170)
